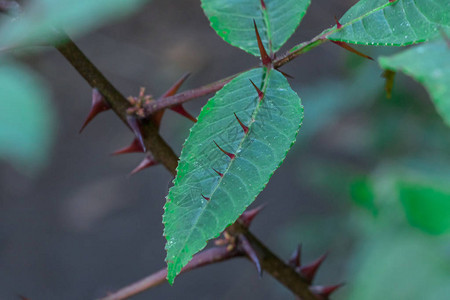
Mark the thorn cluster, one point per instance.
(309, 271)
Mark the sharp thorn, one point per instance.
(247, 217)
(134, 147)
(176, 86)
(347, 47)
(338, 25)
(147, 162)
(250, 252)
(245, 128)
(263, 4)
(218, 173)
(309, 271)
(285, 74)
(324, 292)
(98, 105)
(180, 109)
(135, 125)
(260, 93)
(265, 58)
(206, 198)
(230, 155)
(296, 258)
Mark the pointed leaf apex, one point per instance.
(309, 271)
(245, 128)
(230, 155)
(250, 252)
(351, 49)
(135, 125)
(218, 173)
(98, 105)
(265, 58)
(176, 86)
(180, 109)
(296, 258)
(147, 162)
(206, 198)
(260, 93)
(247, 217)
(134, 147)
(338, 25)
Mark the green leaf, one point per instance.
(190, 220)
(26, 118)
(76, 16)
(430, 65)
(233, 21)
(399, 23)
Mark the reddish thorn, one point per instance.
(347, 47)
(266, 60)
(174, 88)
(245, 128)
(135, 125)
(390, 1)
(180, 109)
(260, 94)
(309, 271)
(296, 258)
(98, 105)
(134, 147)
(230, 155)
(206, 198)
(147, 162)
(218, 173)
(285, 74)
(157, 117)
(339, 25)
(263, 5)
(324, 292)
(247, 217)
(250, 252)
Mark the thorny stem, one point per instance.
(164, 154)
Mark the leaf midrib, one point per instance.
(253, 119)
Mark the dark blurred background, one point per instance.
(81, 228)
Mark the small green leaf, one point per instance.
(26, 118)
(430, 65)
(398, 23)
(233, 21)
(189, 219)
(77, 16)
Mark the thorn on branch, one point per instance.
(263, 4)
(324, 292)
(134, 147)
(250, 252)
(338, 25)
(247, 217)
(180, 109)
(135, 125)
(286, 74)
(265, 58)
(351, 49)
(99, 105)
(309, 271)
(296, 259)
(147, 162)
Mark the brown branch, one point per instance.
(209, 256)
(159, 148)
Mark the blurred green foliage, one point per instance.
(27, 118)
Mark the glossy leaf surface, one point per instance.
(233, 21)
(398, 23)
(201, 204)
